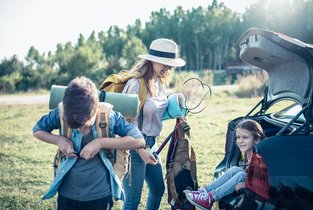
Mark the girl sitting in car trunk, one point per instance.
(248, 134)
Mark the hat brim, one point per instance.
(175, 62)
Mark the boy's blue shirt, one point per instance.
(118, 126)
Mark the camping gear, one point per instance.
(126, 104)
(181, 170)
(176, 107)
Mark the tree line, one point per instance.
(206, 36)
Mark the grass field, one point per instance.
(26, 163)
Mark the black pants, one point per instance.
(105, 203)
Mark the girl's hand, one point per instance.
(90, 150)
(147, 156)
(239, 186)
(66, 147)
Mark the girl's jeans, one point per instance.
(139, 172)
(225, 184)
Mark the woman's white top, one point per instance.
(153, 108)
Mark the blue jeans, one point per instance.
(225, 184)
(139, 172)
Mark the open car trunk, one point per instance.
(288, 148)
(287, 61)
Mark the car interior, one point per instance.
(288, 63)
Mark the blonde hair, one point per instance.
(145, 69)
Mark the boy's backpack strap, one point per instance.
(65, 129)
(102, 125)
(119, 159)
(102, 119)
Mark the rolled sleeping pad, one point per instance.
(126, 104)
(176, 107)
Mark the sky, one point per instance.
(45, 23)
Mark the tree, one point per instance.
(131, 50)
(10, 74)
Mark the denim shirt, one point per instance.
(118, 126)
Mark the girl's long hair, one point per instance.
(253, 126)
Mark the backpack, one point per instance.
(117, 82)
(118, 158)
(181, 171)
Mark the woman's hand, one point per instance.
(147, 156)
(90, 150)
(239, 186)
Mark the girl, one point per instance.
(248, 134)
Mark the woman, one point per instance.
(156, 69)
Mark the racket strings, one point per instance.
(197, 95)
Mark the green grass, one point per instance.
(26, 163)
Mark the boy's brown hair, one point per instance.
(80, 102)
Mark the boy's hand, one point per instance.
(66, 147)
(147, 156)
(90, 150)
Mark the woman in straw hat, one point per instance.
(156, 68)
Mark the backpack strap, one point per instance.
(192, 154)
(119, 159)
(102, 125)
(116, 83)
(102, 119)
(142, 92)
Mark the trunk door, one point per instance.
(287, 61)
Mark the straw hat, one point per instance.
(164, 51)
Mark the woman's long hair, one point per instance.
(145, 68)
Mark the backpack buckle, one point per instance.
(102, 124)
(186, 127)
(109, 155)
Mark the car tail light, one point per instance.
(257, 176)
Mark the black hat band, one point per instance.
(162, 54)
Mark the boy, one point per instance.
(85, 179)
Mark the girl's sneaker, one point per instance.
(202, 200)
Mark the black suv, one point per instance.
(280, 173)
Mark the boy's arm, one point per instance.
(64, 144)
(130, 138)
(126, 142)
(43, 128)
